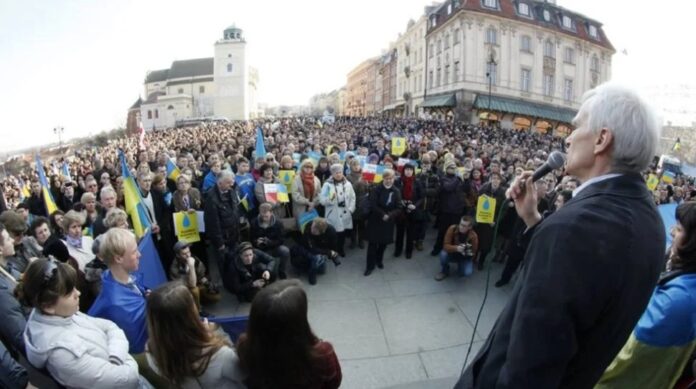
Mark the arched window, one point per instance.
(149, 114)
(156, 114)
(229, 68)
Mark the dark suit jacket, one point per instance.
(589, 272)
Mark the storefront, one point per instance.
(523, 115)
(439, 106)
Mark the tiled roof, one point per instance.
(156, 76)
(508, 9)
(191, 68)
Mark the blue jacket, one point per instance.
(124, 306)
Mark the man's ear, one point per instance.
(604, 141)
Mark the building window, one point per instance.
(547, 15)
(439, 46)
(456, 71)
(156, 114)
(180, 91)
(523, 9)
(594, 64)
(447, 72)
(525, 79)
(447, 41)
(548, 85)
(229, 68)
(437, 78)
(491, 36)
(568, 90)
(549, 50)
(569, 55)
(526, 43)
(430, 79)
(201, 89)
(457, 38)
(169, 108)
(567, 22)
(593, 31)
(492, 73)
(149, 114)
(490, 4)
(433, 21)
(449, 9)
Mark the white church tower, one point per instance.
(232, 99)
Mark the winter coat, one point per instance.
(273, 232)
(221, 218)
(383, 201)
(431, 184)
(333, 194)
(223, 371)
(417, 198)
(240, 278)
(83, 255)
(195, 201)
(452, 192)
(321, 244)
(80, 351)
(361, 189)
(300, 203)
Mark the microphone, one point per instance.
(556, 160)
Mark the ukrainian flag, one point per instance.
(45, 188)
(173, 171)
(24, 191)
(134, 202)
(65, 171)
(668, 177)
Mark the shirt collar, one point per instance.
(594, 180)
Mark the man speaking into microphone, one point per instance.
(590, 267)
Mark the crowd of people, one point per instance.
(79, 314)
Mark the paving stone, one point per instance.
(448, 362)
(382, 372)
(420, 323)
(353, 327)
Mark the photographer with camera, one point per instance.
(338, 198)
(317, 244)
(191, 271)
(460, 245)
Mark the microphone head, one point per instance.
(556, 160)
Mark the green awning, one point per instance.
(526, 108)
(439, 101)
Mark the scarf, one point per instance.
(308, 184)
(77, 243)
(408, 187)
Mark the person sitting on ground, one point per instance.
(78, 351)
(183, 350)
(267, 235)
(122, 298)
(248, 271)
(191, 271)
(460, 245)
(317, 244)
(279, 349)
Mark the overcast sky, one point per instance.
(81, 64)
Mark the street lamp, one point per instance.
(491, 63)
(58, 130)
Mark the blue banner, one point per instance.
(233, 326)
(669, 219)
(150, 274)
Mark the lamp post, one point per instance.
(491, 63)
(58, 130)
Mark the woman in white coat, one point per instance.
(338, 198)
(305, 189)
(79, 351)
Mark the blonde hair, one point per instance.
(114, 243)
(319, 224)
(87, 196)
(388, 172)
(71, 218)
(114, 216)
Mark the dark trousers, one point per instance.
(513, 262)
(358, 232)
(410, 229)
(341, 241)
(445, 220)
(304, 261)
(375, 254)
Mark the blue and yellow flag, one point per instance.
(45, 188)
(260, 147)
(668, 177)
(24, 191)
(134, 202)
(173, 171)
(65, 171)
